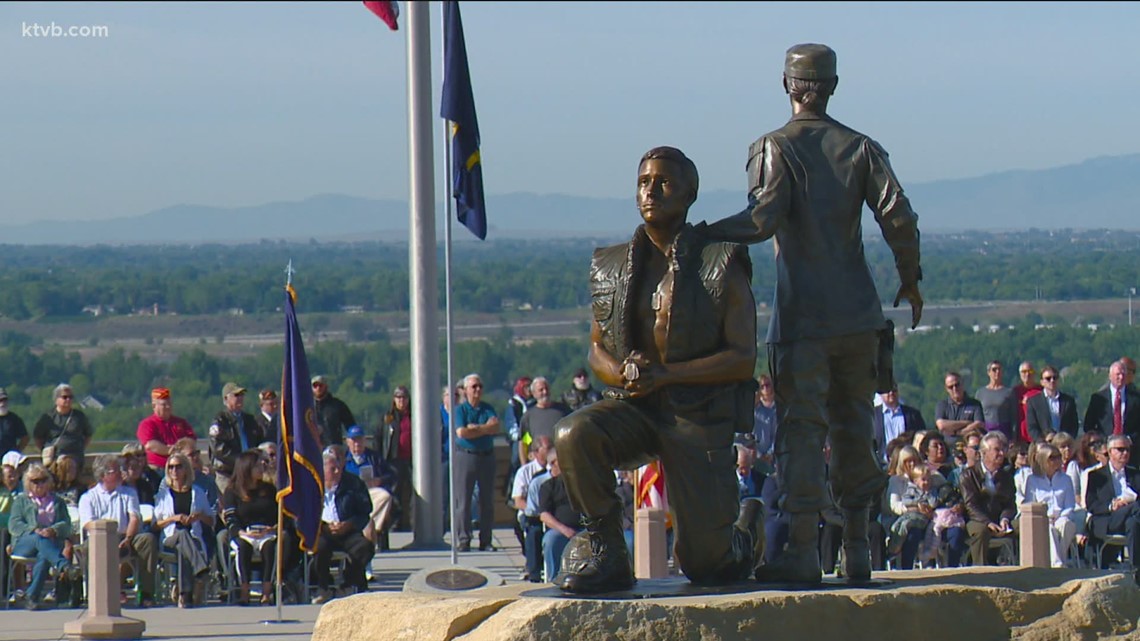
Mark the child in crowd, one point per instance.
(909, 531)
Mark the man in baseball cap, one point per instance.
(161, 430)
(232, 432)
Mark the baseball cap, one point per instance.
(3, 394)
(13, 458)
(581, 373)
(232, 388)
(355, 431)
(319, 378)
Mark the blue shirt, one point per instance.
(764, 428)
(532, 492)
(894, 424)
(466, 415)
(380, 468)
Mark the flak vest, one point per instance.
(700, 279)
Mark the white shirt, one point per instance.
(1112, 400)
(164, 509)
(523, 478)
(328, 512)
(1056, 493)
(1120, 485)
(117, 505)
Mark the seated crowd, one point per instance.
(189, 523)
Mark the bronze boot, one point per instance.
(799, 563)
(856, 565)
(596, 559)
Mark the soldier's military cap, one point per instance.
(810, 62)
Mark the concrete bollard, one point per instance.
(650, 560)
(1034, 533)
(102, 619)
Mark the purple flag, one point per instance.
(300, 472)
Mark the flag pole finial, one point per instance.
(289, 271)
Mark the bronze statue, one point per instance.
(674, 339)
(828, 342)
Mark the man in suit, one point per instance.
(1115, 409)
(892, 419)
(1111, 496)
(1052, 410)
(988, 492)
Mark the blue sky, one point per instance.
(235, 104)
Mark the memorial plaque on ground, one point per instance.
(455, 579)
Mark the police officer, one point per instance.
(232, 432)
(808, 181)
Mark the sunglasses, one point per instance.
(477, 386)
(176, 466)
(66, 397)
(954, 386)
(1048, 378)
(1121, 449)
(400, 396)
(39, 481)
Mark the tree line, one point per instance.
(364, 374)
(38, 282)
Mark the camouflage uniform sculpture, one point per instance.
(808, 181)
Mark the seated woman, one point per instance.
(1050, 485)
(251, 517)
(184, 517)
(39, 524)
(65, 474)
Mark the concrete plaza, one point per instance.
(216, 622)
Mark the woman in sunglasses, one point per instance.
(39, 524)
(182, 512)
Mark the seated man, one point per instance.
(749, 480)
(528, 513)
(109, 499)
(378, 476)
(559, 517)
(988, 492)
(674, 339)
(346, 512)
(1111, 496)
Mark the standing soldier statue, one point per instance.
(828, 342)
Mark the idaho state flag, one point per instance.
(459, 108)
(300, 472)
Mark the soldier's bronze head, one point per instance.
(810, 75)
(667, 184)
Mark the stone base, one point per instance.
(1027, 604)
(104, 627)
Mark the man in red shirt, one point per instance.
(160, 431)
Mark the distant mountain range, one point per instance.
(1101, 193)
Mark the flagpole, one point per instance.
(281, 450)
(448, 211)
(424, 298)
